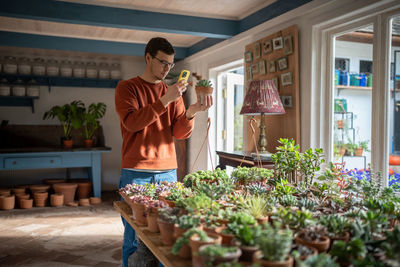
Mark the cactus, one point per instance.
(204, 83)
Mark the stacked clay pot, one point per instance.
(40, 198)
(84, 189)
(67, 189)
(57, 200)
(7, 202)
(19, 197)
(26, 203)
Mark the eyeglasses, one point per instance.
(165, 63)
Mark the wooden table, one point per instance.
(240, 158)
(151, 240)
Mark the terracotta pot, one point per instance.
(72, 203)
(167, 232)
(227, 239)
(7, 202)
(342, 151)
(151, 217)
(68, 143)
(320, 245)
(204, 90)
(21, 196)
(40, 198)
(26, 203)
(19, 191)
(339, 124)
(344, 237)
(39, 188)
(57, 200)
(170, 203)
(213, 230)
(5, 192)
(195, 244)
(314, 252)
(88, 142)
(185, 252)
(54, 181)
(359, 151)
(248, 253)
(84, 189)
(67, 189)
(84, 202)
(259, 259)
(231, 257)
(139, 214)
(95, 200)
(262, 220)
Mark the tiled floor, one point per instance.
(66, 236)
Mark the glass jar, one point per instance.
(66, 68)
(104, 70)
(39, 67)
(91, 70)
(18, 88)
(32, 89)
(79, 69)
(5, 88)
(115, 71)
(10, 65)
(52, 68)
(24, 66)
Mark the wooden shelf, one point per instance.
(353, 87)
(151, 240)
(18, 101)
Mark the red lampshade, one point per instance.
(262, 97)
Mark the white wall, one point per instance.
(111, 161)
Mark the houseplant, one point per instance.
(204, 87)
(314, 236)
(216, 254)
(90, 121)
(70, 115)
(362, 146)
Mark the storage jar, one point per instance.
(91, 70)
(104, 70)
(66, 68)
(5, 88)
(18, 88)
(39, 67)
(32, 89)
(10, 65)
(52, 68)
(115, 71)
(79, 69)
(24, 66)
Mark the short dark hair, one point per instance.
(159, 44)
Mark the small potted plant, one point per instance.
(70, 115)
(275, 245)
(203, 87)
(90, 118)
(217, 254)
(314, 236)
(152, 214)
(246, 236)
(347, 252)
(166, 220)
(337, 227)
(258, 207)
(362, 146)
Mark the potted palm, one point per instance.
(90, 121)
(69, 116)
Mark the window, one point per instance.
(365, 66)
(342, 64)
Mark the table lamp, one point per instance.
(262, 97)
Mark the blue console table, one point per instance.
(56, 157)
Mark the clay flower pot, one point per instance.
(57, 200)
(358, 152)
(185, 252)
(67, 189)
(19, 191)
(229, 257)
(195, 245)
(95, 200)
(88, 143)
(321, 245)
(84, 189)
(213, 230)
(84, 202)
(54, 181)
(68, 143)
(139, 214)
(152, 224)
(344, 237)
(39, 188)
(262, 220)
(170, 203)
(26, 203)
(248, 253)
(7, 202)
(72, 204)
(5, 192)
(40, 198)
(167, 232)
(261, 261)
(21, 196)
(227, 239)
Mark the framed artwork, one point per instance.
(288, 44)
(248, 57)
(254, 68)
(257, 50)
(276, 82)
(277, 43)
(286, 78)
(271, 66)
(282, 63)
(287, 101)
(267, 47)
(249, 74)
(261, 67)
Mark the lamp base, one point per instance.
(264, 154)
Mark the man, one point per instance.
(151, 114)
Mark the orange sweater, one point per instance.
(148, 127)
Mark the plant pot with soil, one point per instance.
(314, 236)
(166, 220)
(217, 254)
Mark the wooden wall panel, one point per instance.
(286, 125)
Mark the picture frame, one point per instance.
(267, 47)
(248, 57)
(271, 66)
(261, 67)
(276, 82)
(249, 74)
(288, 44)
(257, 50)
(277, 43)
(282, 63)
(287, 101)
(286, 79)
(254, 68)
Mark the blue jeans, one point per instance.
(129, 244)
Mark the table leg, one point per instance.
(95, 174)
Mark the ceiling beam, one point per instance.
(77, 44)
(66, 12)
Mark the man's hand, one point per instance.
(173, 93)
(199, 105)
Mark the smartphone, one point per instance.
(184, 76)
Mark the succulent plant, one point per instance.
(204, 83)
